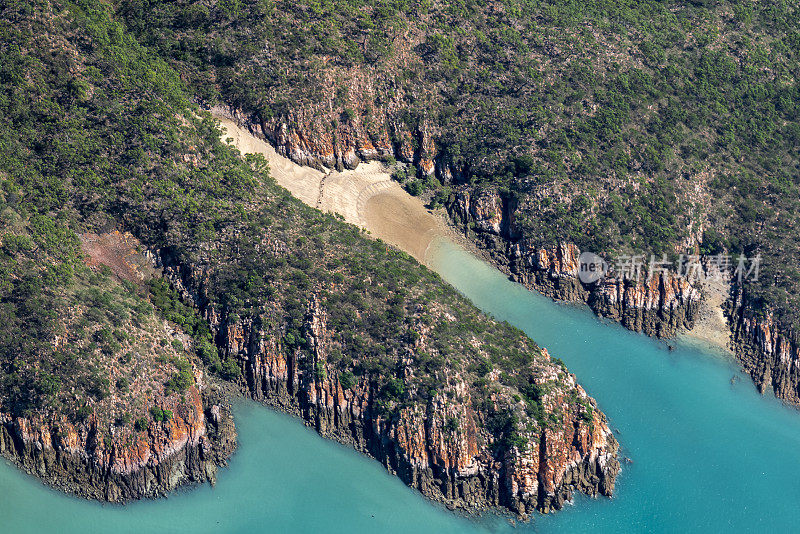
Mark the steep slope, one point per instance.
(635, 128)
(249, 287)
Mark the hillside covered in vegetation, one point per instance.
(144, 261)
(652, 127)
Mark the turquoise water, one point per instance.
(708, 454)
(284, 478)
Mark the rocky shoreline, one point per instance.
(663, 308)
(659, 308)
(767, 352)
(484, 488)
(461, 476)
(420, 459)
(458, 469)
(68, 457)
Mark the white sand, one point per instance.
(711, 326)
(366, 196)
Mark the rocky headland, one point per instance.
(446, 446)
(77, 459)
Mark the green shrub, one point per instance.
(231, 369)
(141, 424)
(347, 380)
(123, 384)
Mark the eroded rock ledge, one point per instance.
(448, 445)
(660, 306)
(442, 447)
(70, 457)
(769, 353)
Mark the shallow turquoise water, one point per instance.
(284, 478)
(708, 454)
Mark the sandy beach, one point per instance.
(711, 326)
(366, 196)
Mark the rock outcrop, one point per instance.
(441, 446)
(313, 142)
(415, 445)
(127, 465)
(658, 306)
(769, 352)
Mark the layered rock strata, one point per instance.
(440, 446)
(660, 305)
(73, 458)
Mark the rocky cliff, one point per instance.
(769, 352)
(659, 306)
(310, 315)
(662, 306)
(448, 445)
(321, 140)
(76, 458)
(518, 111)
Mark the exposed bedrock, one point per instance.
(418, 443)
(71, 457)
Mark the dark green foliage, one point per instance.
(504, 425)
(160, 415)
(183, 379)
(319, 371)
(124, 420)
(451, 425)
(209, 355)
(172, 307)
(394, 389)
(123, 384)
(99, 133)
(231, 370)
(347, 380)
(82, 413)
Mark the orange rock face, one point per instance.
(124, 453)
(442, 446)
(124, 464)
(767, 351)
(660, 305)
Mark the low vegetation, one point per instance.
(101, 134)
(619, 126)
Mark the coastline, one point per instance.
(77, 465)
(711, 326)
(581, 456)
(368, 198)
